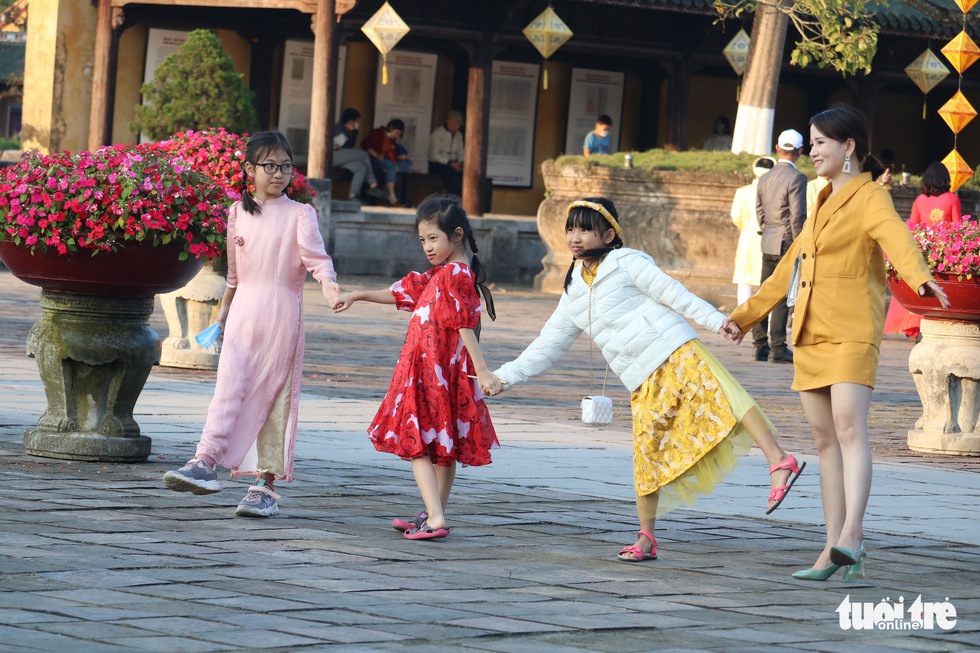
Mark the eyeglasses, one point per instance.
(270, 168)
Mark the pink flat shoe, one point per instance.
(424, 532)
(777, 494)
(408, 524)
(639, 555)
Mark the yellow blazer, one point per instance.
(842, 274)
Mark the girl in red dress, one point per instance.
(434, 413)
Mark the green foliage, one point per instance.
(837, 33)
(692, 160)
(195, 88)
(9, 143)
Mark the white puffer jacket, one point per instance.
(631, 321)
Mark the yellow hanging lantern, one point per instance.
(958, 112)
(962, 52)
(737, 54)
(926, 71)
(385, 29)
(966, 5)
(959, 171)
(547, 33)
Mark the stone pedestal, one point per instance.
(946, 369)
(189, 311)
(94, 355)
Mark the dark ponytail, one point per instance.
(259, 145)
(447, 212)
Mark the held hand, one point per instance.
(489, 383)
(330, 291)
(732, 331)
(341, 302)
(932, 288)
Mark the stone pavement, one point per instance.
(99, 557)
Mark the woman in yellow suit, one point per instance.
(838, 319)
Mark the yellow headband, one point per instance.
(598, 208)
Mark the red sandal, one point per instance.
(777, 494)
(637, 550)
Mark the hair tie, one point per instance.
(598, 208)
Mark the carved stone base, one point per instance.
(946, 369)
(189, 311)
(94, 355)
(87, 446)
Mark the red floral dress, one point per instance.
(432, 406)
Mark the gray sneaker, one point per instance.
(196, 476)
(259, 502)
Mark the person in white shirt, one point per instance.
(446, 153)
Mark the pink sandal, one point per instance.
(637, 550)
(777, 494)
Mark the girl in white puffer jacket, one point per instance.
(690, 416)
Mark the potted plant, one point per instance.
(68, 222)
(952, 252)
(101, 233)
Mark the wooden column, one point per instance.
(102, 104)
(679, 104)
(319, 159)
(477, 126)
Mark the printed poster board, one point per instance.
(409, 96)
(513, 110)
(593, 93)
(160, 44)
(296, 94)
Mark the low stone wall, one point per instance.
(366, 241)
(682, 219)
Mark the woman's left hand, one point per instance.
(932, 288)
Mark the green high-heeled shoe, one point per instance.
(816, 574)
(842, 556)
(856, 571)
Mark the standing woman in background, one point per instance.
(936, 204)
(838, 319)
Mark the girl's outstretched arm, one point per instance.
(225, 306)
(489, 383)
(344, 300)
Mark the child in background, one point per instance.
(597, 141)
(402, 160)
(272, 243)
(689, 414)
(434, 414)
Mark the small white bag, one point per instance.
(597, 410)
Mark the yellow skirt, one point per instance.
(826, 363)
(687, 430)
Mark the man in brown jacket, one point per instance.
(781, 210)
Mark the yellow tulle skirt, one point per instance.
(687, 427)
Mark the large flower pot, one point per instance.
(94, 346)
(946, 367)
(964, 298)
